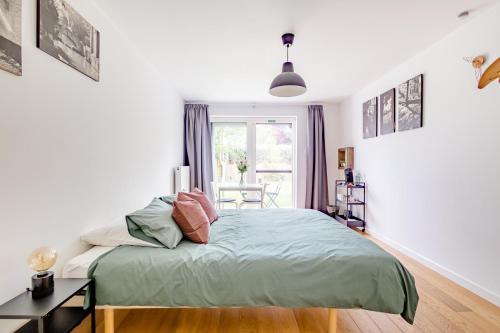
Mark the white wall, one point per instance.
(285, 110)
(433, 192)
(75, 153)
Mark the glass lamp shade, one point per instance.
(42, 259)
(288, 83)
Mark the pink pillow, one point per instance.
(204, 201)
(192, 220)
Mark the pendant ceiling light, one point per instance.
(288, 83)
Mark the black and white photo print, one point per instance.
(370, 118)
(67, 36)
(410, 97)
(388, 112)
(10, 36)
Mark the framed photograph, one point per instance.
(10, 36)
(388, 112)
(410, 102)
(370, 111)
(68, 37)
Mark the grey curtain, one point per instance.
(316, 179)
(198, 146)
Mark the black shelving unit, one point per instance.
(48, 315)
(349, 219)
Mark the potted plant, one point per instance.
(242, 166)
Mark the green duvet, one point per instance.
(282, 257)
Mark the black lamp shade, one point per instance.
(288, 83)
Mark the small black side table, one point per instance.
(47, 314)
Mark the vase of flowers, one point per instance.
(242, 166)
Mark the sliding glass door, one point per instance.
(274, 156)
(269, 146)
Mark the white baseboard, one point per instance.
(455, 277)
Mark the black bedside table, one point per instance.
(47, 314)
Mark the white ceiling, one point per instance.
(230, 50)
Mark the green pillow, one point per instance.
(154, 224)
(169, 199)
(135, 231)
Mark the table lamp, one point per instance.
(41, 260)
(348, 175)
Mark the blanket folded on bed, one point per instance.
(282, 257)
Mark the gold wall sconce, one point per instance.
(491, 74)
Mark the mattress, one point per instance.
(262, 257)
(78, 266)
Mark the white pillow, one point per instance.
(79, 265)
(113, 236)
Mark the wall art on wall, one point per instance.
(388, 112)
(370, 111)
(10, 36)
(410, 101)
(67, 36)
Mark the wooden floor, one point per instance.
(444, 307)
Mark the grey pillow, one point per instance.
(169, 199)
(155, 224)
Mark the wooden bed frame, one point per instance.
(109, 317)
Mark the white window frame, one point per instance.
(251, 122)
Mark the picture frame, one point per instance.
(388, 112)
(370, 118)
(67, 36)
(410, 103)
(11, 36)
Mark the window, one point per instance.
(230, 144)
(268, 144)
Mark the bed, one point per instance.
(256, 258)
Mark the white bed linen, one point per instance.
(79, 265)
(113, 235)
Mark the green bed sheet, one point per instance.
(281, 257)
